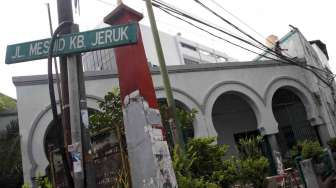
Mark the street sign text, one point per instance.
(73, 43)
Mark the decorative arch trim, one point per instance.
(299, 88)
(218, 85)
(34, 126)
(245, 91)
(285, 78)
(184, 94)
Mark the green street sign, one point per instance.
(108, 37)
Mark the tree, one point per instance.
(203, 163)
(6, 102)
(10, 155)
(110, 118)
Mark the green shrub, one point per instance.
(25, 186)
(254, 171)
(203, 164)
(252, 166)
(250, 147)
(311, 149)
(332, 144)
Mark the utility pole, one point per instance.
(75, 112)
(65, 14)
(75, 121)
(64, 11)
(178, 137)
(90, 172)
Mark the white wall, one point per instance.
(197, 86)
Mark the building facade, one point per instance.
(234, 99)
(178, 51)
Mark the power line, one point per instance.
(219, 36)
(231, 24)
(208, 31)
(280, 56)
(168, 8)
(181, 12)
(240, 20)
(159, 4)
(244, 23)
(240, 30)
(105, 2)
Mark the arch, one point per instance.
(181, 96)
(190, 103)
(233, 118)
(291, 115)
(35, 143)
(299, 89)
(246, 92)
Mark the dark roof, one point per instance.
(321, 45)
(114, 17)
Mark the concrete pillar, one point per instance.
(309, 173)
(148, 153)
(323, 134)
(273, 142)
(276, 162)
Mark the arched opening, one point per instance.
(106, 154)
(290, 113)
(51, 149)
(187, 127)
(233, 119)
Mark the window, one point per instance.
(190, 61)
(188, 46)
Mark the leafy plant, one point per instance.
(6, 102)
(254, 171)
(110, 114)
(311, 149)
(43, 182)
(332, 144)
(10, 154)
(201, 164)
(250, 147)
(252, 166)
(110, 120)
(185, 117)
(25, 186)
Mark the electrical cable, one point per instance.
(225, 39)
(166, 7)
(269, 49)
(210, 33)
(53, 101)
(158, 4)
(285, 59)
(231, 24)
(240, 20)
(244, 23)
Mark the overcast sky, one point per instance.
(24, 20)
